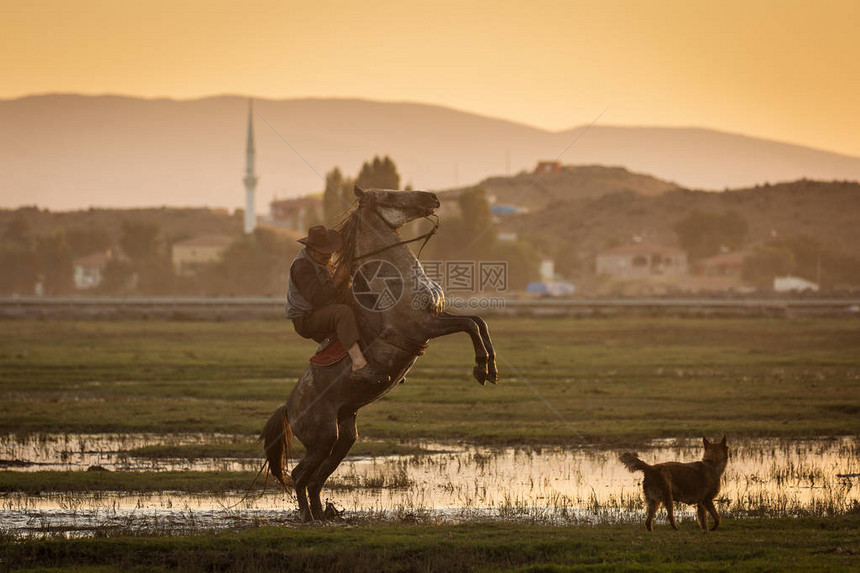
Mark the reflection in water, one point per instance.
(71, 452)
(766, 477)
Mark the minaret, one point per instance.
(250, 178)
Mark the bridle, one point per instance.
(426, 236)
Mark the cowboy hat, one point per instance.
(323, 240)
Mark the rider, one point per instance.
(313, 299)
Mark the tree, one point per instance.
(704, 234)
(255, 264)
(379, 174)
(333, 203)
(84, 241)
(151, 269)
(523, 263)
(476, 222)
(118, 277)
(20, 269)
(470, 234)
(139, 240)
(816, 262)
(347, 192)
(54, 263)
(766, 263)
(18, 231)
(156, 275)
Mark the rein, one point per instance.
(426, 236)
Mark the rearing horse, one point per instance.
(395, 324)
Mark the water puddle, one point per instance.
(115, 452)
(764, 478)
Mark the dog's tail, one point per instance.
(632, 462)
(277, 437)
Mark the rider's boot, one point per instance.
(368, 374)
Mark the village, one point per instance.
(617, 241)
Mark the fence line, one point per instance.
(194, 308)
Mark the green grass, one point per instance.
(251, 449)
(35, 483)
(607, 381)
(751, 545)
(563, 381)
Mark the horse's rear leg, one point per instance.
(319, 445)
(347, 434)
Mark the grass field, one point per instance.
(753, 545)
(610, 381)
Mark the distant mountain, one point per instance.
(70, 151)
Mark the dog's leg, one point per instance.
(670, 511)
(702, 517)
(653, 506)
(667, 499)
(709, 504)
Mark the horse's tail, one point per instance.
(632, 462)
(277, 437)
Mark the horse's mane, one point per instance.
(348, 229)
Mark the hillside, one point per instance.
(536, 191)
(827, 211)
(173, 224)
(71, 152)
(608, 208)
(571, 230)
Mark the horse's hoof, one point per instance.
(480, 374)
(492, 374)
(331, 513)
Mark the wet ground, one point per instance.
(764, 478)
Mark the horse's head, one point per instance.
(397, 208)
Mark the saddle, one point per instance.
(330, 351)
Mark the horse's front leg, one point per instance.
(492, 371)
(445, 324)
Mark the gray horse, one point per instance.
(398, 309)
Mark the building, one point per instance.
(250, 178)
(547, 167)
(297, 214)
(722, 265)
(89, 270)
(642, 261)
(189, 255)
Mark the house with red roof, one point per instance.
(89, 269)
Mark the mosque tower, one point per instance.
(250, 177)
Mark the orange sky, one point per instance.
(785, 70)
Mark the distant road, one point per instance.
(186, 308)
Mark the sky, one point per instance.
(785, 70)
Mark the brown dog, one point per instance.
(694, 483)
